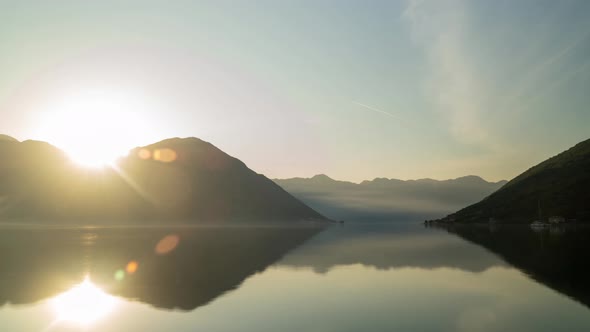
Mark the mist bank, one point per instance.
(385, 199)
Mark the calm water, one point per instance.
(346, 278)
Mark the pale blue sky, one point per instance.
(353, 89)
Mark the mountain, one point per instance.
(386, 199)
(7, 138)
(560, 186)
(175, 180)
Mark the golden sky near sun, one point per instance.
(439, 91)
(95, 127)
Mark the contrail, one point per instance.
(375, 109)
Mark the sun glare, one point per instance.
(84, 304)
(95, 128)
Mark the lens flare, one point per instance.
(119, 275)
(165, 155)
(131, 267)
(167, 244)
(144, 154)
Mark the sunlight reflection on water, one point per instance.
(83, 304)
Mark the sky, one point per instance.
(353, 89)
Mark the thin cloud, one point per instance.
(453, 82)
(536, 73)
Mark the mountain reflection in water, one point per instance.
(352, 277)
(386, 247)
(556, 256)
(179, 268)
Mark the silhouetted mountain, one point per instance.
(557, 256)
(176, 180)
(7, 138)
(560, 186)
(387, 199)
(206, 262)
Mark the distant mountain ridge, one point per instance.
(384, 199)
(559, 186)
(175, 180)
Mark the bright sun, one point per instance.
(84, 304)
(95, 127)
